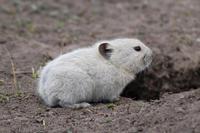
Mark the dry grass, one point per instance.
(13, 68)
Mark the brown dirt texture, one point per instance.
(164, 99)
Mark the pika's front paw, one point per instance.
(115, 99)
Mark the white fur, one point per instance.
(77, 78)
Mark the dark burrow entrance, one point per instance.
(162, 78)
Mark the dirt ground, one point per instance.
(166, 98)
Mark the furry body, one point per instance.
(82, 76)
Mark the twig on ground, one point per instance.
(17, 72)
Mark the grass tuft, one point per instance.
(4, 98)
(1, 82)
(35, 74)
(111, 106)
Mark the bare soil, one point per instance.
(166, 98)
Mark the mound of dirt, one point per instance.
(175, 70)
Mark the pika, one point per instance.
(94, 74)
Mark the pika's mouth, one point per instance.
(147, 60)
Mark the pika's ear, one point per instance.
(104, 50)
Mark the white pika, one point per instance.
(94, 74)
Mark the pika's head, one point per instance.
(128, 54)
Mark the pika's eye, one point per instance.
(137, 48)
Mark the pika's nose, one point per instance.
(148, 57)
